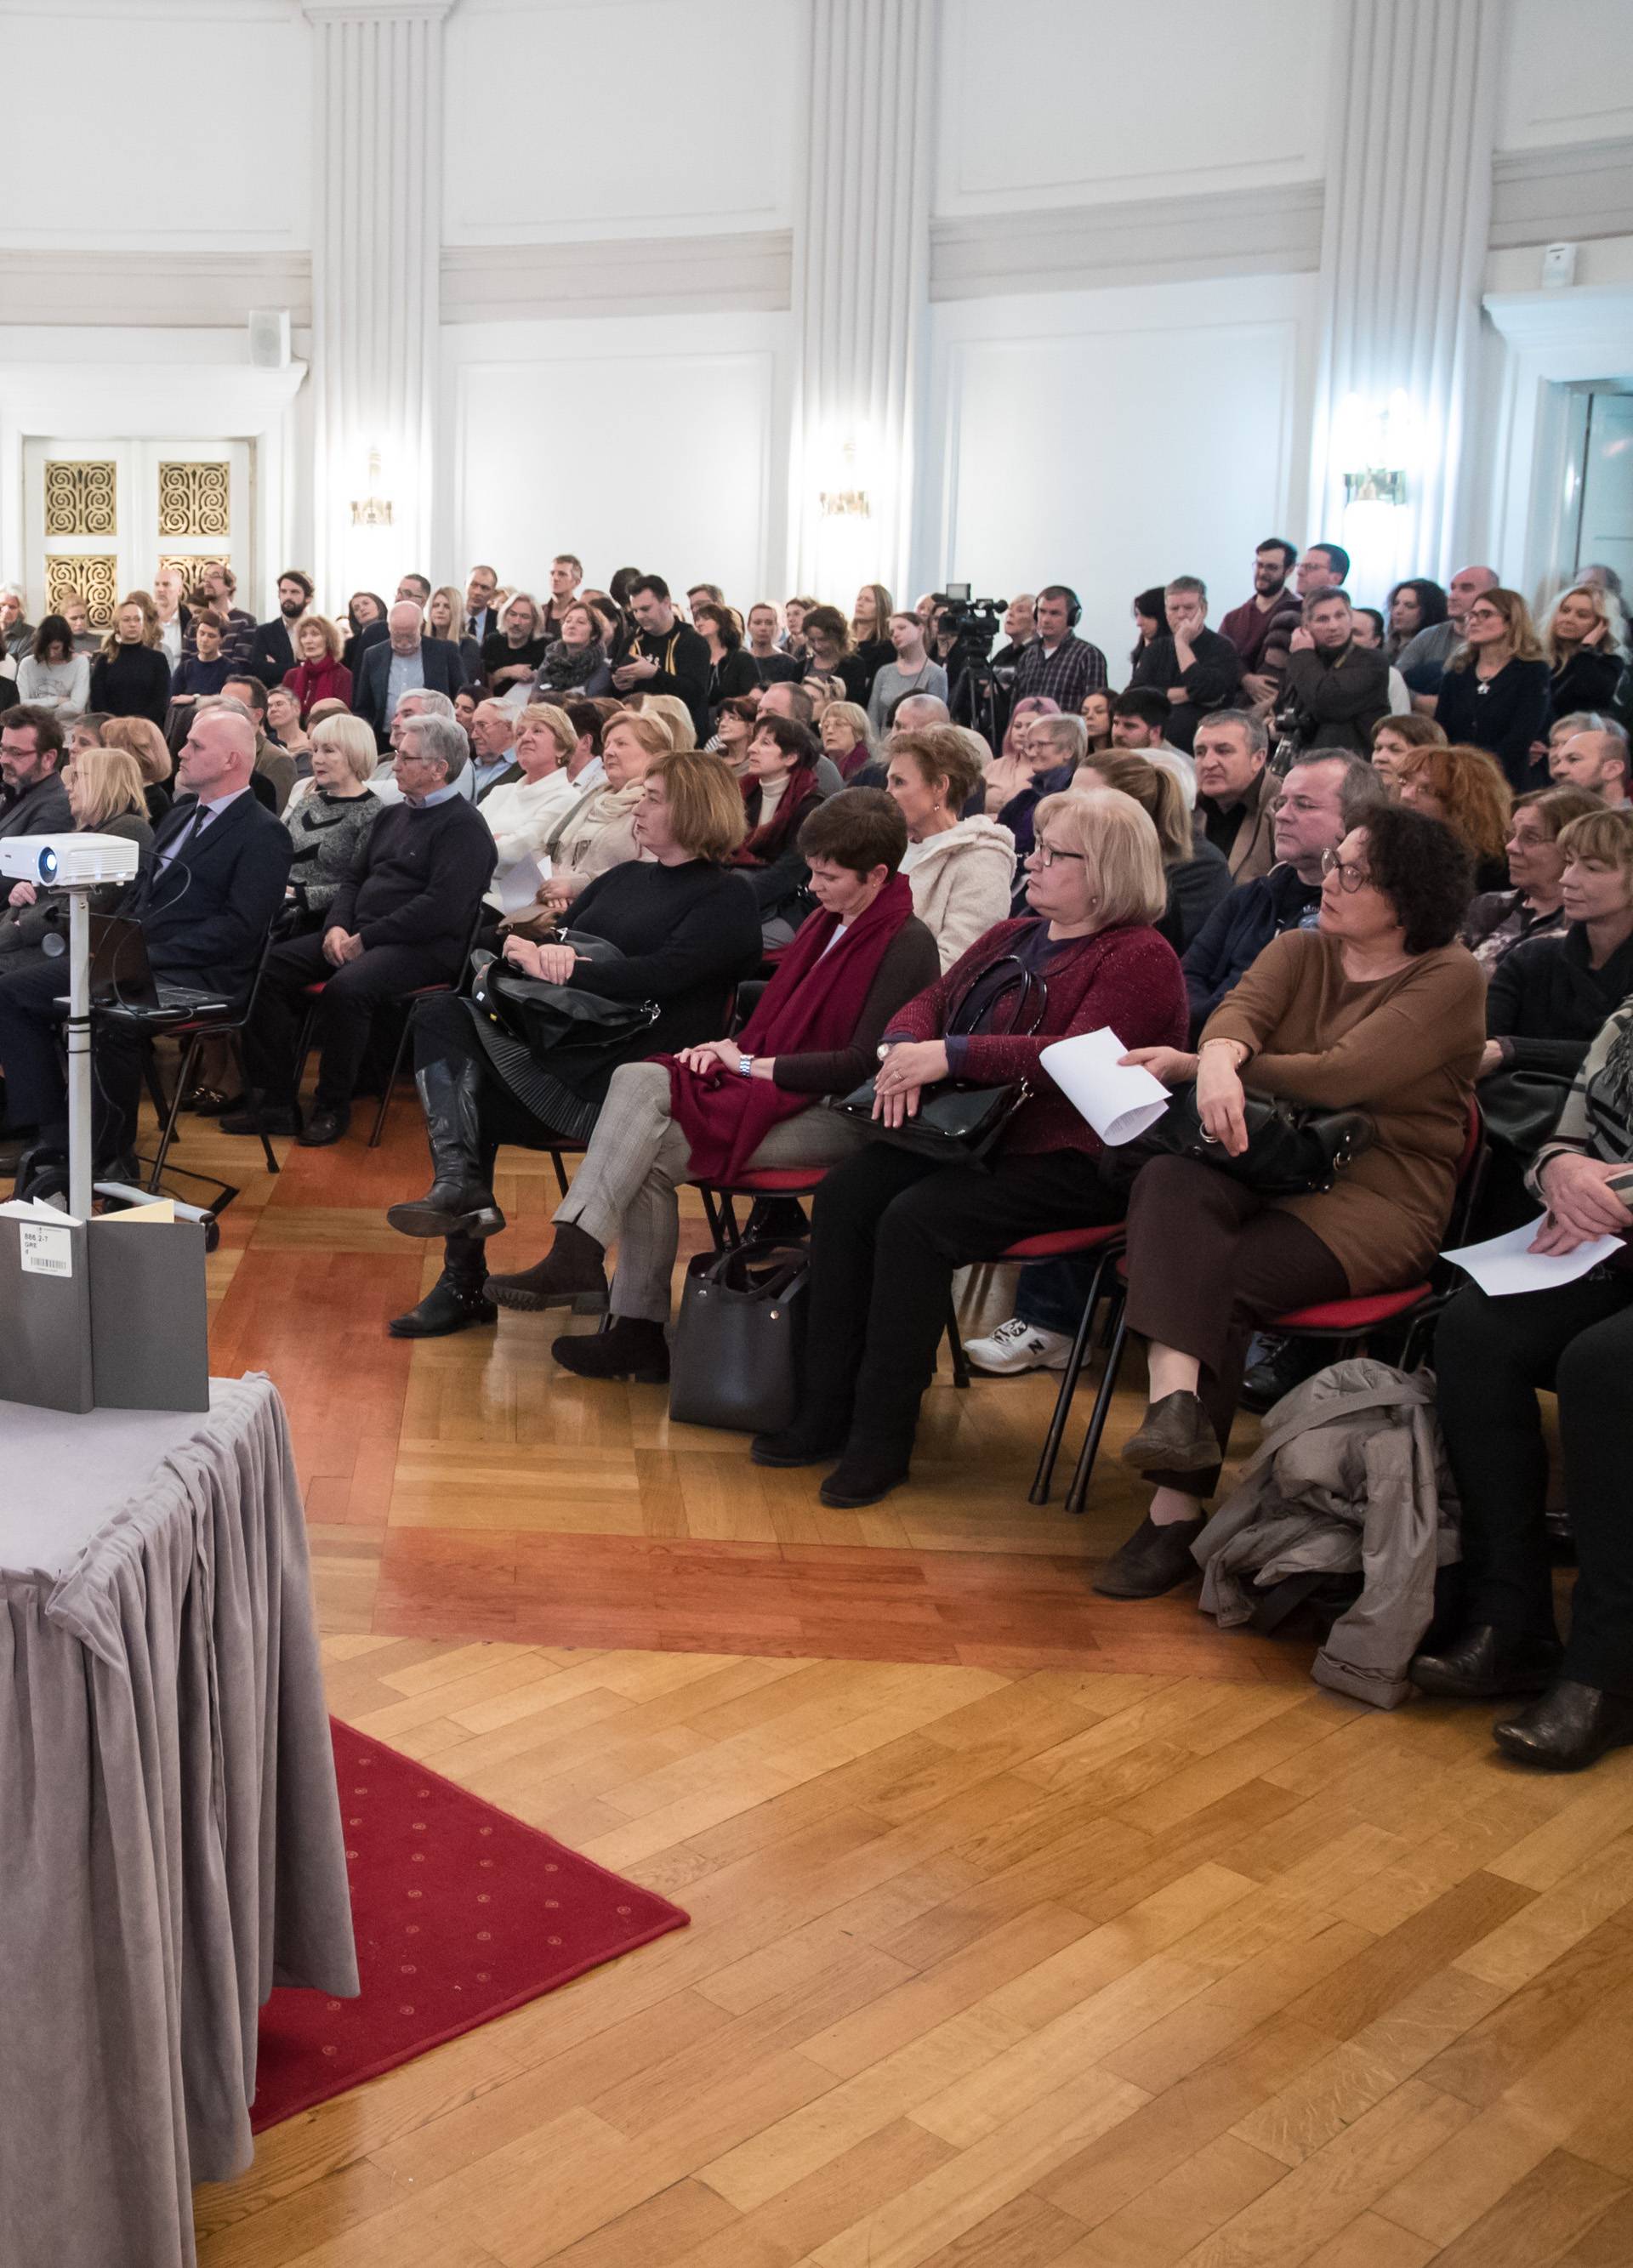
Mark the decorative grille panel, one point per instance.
(195, 498)
(81, 497)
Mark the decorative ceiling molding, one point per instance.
(189, 290)
(617, 275)
(1150, 240)
(1553, 197)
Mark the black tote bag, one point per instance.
(740, 1342)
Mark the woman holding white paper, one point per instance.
(1379, 1010)
(1491, 1356)
(890, 1225)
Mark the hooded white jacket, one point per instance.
(961, 883)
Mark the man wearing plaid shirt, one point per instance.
(1058, 665)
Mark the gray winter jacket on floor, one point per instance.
(1349, 1478)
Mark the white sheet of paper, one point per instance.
(1503, 1265)
(37, 1209)
(1119, 1100)
(519, 885)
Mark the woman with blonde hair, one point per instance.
(445, 619)
(319, 674)
(1011, 770)
(331, 817)
(1585, 656)
(1197, 874)
(130, 677)
(672, 714)
(890, 1225)
(1463, 786)
(521, 813)
(105, 795)
(597, 831)
(140, 738)
(847, 737)
(1495, 693)
(870, 629)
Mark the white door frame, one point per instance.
(134, 383)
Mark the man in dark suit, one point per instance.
(481, 614)
(399, 663)
(272, 653)
(217, 873)
(401, 920)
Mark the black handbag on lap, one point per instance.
(1290, 1153)
(542, 1015)
(739, 1341)
(958, 1123)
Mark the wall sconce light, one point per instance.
(1381, 440)
(373, 510)
(1375, 486)
(848, 503)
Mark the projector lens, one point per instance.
(48, 865)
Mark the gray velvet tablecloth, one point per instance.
(170, 1840)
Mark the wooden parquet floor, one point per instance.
(1029, 1932)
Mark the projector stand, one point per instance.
(79, 1054)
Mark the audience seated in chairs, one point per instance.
(31, 765)
(779, 787)
(746, 1103)
(890, 1227)
(1198, 877)
(521, 812)
(1378, 1011)
(961, 870)
(1464, 786)
(273, 779)
(1394, 739)
(206, 902)
(847, 737)
(491, 728)
(576, 661)
(1055, 747)
(140, 738)
(329, 822)
(401, 920)
(675, 928)
(596, 832)
(104, 789)
(1013, 768)
(1533, 905)
(1491, 1357)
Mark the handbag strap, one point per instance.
(1028, 987)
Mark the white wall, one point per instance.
(1111, 440)
(618, 118)
(157, 123)
(656, 442)
(1568, 76)
(1042, 104)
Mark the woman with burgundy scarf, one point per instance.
(779, 789)
(890, 1227)
(751, 1100)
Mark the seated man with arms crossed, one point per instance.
(219, 866)
(400, 920)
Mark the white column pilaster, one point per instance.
(861, 269)
(376, 256)
(1407, 213)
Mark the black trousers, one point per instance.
(33, 1011)
(346, 1008)
(1490, 1358)
(888, 1229)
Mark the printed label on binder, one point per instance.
(45, 1251)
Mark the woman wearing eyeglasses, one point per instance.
(1496, 690)
(890, 1227)
(1377, 1010)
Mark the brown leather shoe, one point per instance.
(1174, 1437)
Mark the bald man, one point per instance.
(1594, 757)
(1423, 659)
(205, 897)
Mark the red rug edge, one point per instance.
(674, 1917)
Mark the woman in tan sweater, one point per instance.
(1377, 1010)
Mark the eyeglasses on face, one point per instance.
(1350, 877)
(1045, 855)
(1485, 615)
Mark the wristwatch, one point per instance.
(745, 1066)
(884, 1048)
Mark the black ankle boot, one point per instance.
(634, 1347)
(455, 1301)
(571, 1274)
(862, 1476)
(816, 1437)
(1570, 1727)
(458, 1201)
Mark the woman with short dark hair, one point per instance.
(577, 661)
(1379, 1010)
(1532, 906)
(731, 671)
(52, 675)
(1414, 605)
(779, 786)
(827, 636)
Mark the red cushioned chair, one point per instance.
(1346, 1325)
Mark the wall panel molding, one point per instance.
(618, 276)
(1150, 240)
(1551, 196)
(190, 290)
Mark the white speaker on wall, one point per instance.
(269, 337)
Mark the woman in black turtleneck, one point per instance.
(130, 677)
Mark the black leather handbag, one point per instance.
(1520, 1108)
(542, 1016)
(1290, 1153)
(958, 1122)
(739, 1341)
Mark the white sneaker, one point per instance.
(1016, 1346)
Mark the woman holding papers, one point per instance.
(891, 1225)
(1491, 1356)
(1379, 1010)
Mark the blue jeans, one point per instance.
(1051, 1293)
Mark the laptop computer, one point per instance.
(122, 975)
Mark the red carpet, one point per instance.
(460, 1913)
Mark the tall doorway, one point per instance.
(1599, 508)
(101, 517)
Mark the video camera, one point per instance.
(974, 623)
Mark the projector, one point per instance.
(68, 862)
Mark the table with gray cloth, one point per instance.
(170, 1840)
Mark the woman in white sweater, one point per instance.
(961, 870)
(522, 814)
(52, 675)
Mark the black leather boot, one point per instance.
(458, 1201)
(1484, 1664)
(455, 1301)
(572, 1274)
(1570, 1728)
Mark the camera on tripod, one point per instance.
(974, 623)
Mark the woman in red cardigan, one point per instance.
(320, 675)
(890, 1228)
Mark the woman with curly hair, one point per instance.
(1463, 786)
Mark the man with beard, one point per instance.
(1262, 626)
(272, 655)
